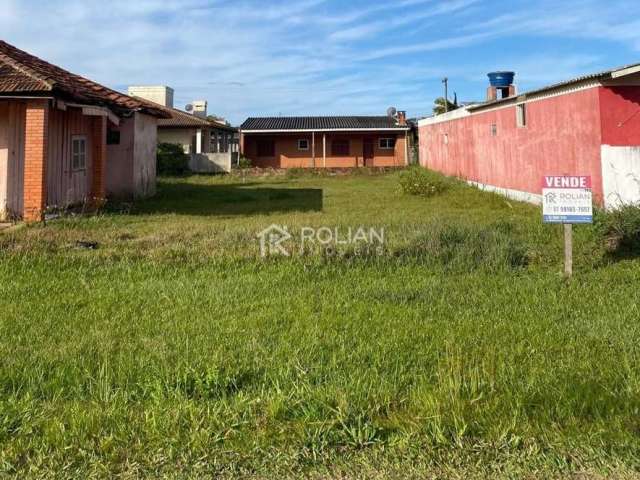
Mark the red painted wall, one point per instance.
(620, 112)
(563, 135)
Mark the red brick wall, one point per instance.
(287, 154)
(35, 160)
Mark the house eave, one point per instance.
(329, 130)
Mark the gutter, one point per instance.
(329, 130)
(24, 97)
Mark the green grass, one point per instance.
(174, 350)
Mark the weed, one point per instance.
(422, 182)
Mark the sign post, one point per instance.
(568, 250)
(567, 199)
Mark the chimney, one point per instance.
(501, 86)
(200, 108)
(402, 118)
(156, 93)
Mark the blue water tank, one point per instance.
(501, 79)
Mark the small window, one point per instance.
(445, 139)
(78, 152)
(266, 148)
(494, 130)
(113, 137)
(387, 143)
(303, 144)
(521, 115)
(340, 148)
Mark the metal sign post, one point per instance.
(567, 199)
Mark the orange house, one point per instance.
(325, 142)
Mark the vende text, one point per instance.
(567, 182)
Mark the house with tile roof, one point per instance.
(210, 144)
(66, 140)
(326, 142)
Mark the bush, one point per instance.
(172, 160)
(423, 182)
(620, 228)
(244, 162)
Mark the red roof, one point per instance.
(178, 119)
(22, 73)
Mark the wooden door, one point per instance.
(367, 152)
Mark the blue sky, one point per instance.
(319, 57)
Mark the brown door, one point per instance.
(367, 152)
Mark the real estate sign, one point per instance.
(567, 199)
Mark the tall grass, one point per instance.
(174, 349)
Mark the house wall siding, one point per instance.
(131, 164)
(64, 185)
(562, 135)
(144, 155)
(12, 125)
(120, 161)
(287, 154)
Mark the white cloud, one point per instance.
(250, 57)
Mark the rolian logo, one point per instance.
(272, 240)
(278, 240)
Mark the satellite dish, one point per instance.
(189, 107)
(391, 111)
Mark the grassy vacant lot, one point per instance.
(173, 349)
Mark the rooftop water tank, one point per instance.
(501, 79)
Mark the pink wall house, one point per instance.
(586, 126)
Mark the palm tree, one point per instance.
(438, 107)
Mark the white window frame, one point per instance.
(300, 147)
(385, 143)
(79, 155)
(521, 115)
(445, 138)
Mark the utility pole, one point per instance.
(446, 94)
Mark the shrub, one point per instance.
(244, 162)
(620, 228)
(423, 182)
(172, 160)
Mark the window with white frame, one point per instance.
(521, 115)
(303, 144)
(387, 143)
(494, 130)
(445, 139)
(78, 152)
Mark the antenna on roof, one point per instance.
(189, 107)
(391, 112)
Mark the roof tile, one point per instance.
(21, 72)
(320, 123)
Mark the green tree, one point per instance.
(439, 105)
